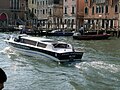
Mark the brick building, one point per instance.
(101, 14)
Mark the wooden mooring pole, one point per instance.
(118, 34)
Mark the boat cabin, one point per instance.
(43, 43)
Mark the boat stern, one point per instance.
(69, 56)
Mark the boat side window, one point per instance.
(41, 45)
(29, 42)
(61, 45)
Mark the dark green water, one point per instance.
(98, 70)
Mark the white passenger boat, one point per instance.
(36, 46)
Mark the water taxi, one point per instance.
(37, 46)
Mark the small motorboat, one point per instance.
(37, 46)
(103, 36)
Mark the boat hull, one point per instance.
(60, 34)
(32, 51)
(91, 37)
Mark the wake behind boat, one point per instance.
(36, 46)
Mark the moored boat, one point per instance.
(103, 36)
(36, 46)
(60, 33)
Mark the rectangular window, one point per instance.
(50, 12)
(32, 10)
(56, 45)
(46, 11)
(35, 11)
(86, 1)
(15, 4)
(73, 10)
(72, 21)
(29, 42)
(46, 2)
(32, 1)
(41, 45)
(65, 10)
(65, 21)
(111, 23)
(43, 11)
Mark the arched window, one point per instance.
(106, 9)
(97, 9)
(92, 10)
(116, 8)
(86, 10)
(102, 9)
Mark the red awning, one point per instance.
(3, 16)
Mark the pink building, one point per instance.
(80, 13)
(73, 13)
(102, 13)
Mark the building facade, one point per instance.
(101, 14)
(55, 14)
(42, 12)
(80, 14)
(32, 13)
(4, 12)
(18, 11)
(12, 12)
(50, 13)
(73, 13)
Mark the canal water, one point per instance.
(98, 70)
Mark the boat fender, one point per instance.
(56, 54)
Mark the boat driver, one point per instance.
(81, 30)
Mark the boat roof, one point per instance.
(40, 39)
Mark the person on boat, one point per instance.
(81, 30)
(3, 78)
(23, 30)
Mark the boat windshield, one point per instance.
(60, 45)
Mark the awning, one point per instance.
(3, 17)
